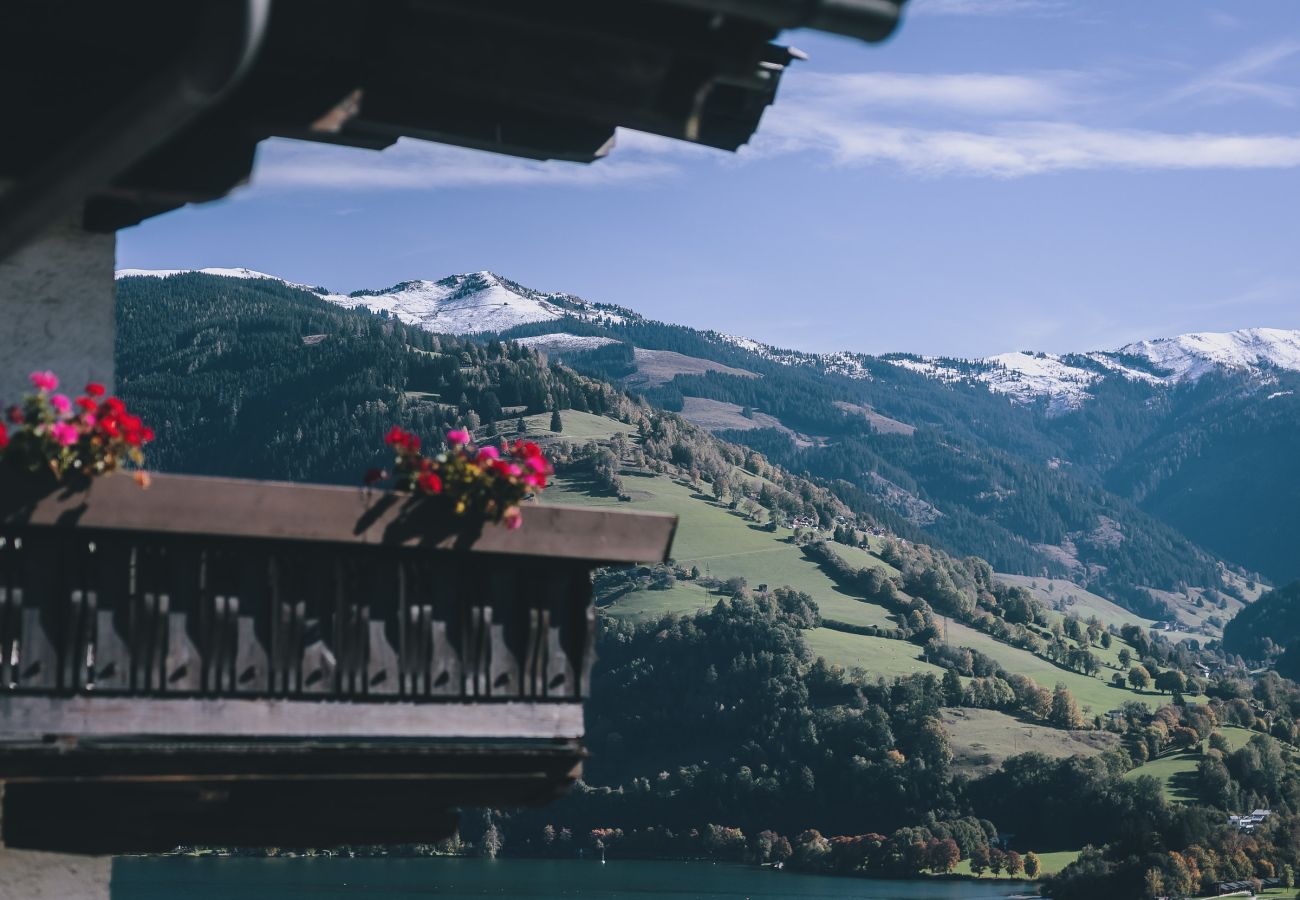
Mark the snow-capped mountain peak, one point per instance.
(467, 303)
(476, 302)
(1189, 356)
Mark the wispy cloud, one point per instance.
(415, 165)
(1272, 291)
(1220, 19)
(1017, 150)
(987, 7)
(1240, 78)
(978, 93)
(1005, 125)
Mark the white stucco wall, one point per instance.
(56, 310)
(25, 875)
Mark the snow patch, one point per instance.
(563, 341)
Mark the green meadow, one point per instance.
(1176, 771)
(725, 545)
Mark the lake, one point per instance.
(182, 878)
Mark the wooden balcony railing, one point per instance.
(240, 662)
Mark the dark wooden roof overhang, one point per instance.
(143, 107)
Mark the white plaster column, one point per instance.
(31, 875)
(56, 312)
(57, 303)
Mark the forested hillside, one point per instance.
(1269, 629)
(972, 471)
(259, 379)
(1221, 467)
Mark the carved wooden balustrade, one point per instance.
(235, 662)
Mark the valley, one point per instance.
(826, 652)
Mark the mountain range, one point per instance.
(480, 302)
(1145, 472)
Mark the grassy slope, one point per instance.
(1048, 863)
(578, 426)
(1094, 694)
(725, 545)
(683, 598)
(1175, 771)
(1070, 598)
(879, 656)
(1074, 599)
(983, 738)
(862, 559)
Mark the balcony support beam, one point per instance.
(29, 718)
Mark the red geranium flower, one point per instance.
(76, 440)
(488, 482)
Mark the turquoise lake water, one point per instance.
(408, 879)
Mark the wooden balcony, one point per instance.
(247, 663)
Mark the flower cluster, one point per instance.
(487, 482)
(73, 439)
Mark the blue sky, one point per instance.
(1002, 175)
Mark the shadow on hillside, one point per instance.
(1185, 783)
(581, 482)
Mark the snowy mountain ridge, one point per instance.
(469, 303)
(478, 302)
(1064, 379)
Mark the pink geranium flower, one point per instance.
(457, 437)
(488, 453)
(65, 434)
(44, 381)
(62, 405)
